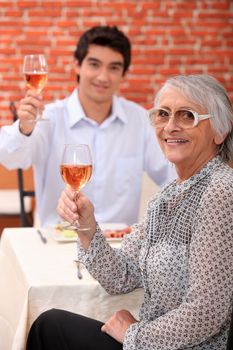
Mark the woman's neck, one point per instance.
(185, 172)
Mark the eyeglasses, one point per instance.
(184, 118)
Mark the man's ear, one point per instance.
(124, 75)
(76, 66)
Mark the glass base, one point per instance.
(74, 226)
(38, 120)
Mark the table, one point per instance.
(36, 277)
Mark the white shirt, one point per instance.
(123, 146)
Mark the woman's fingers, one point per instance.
(66, 207)
(117, 325)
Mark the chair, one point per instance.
(25, 218)
(230, 335)
(11, 211)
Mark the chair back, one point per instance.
(23, 193)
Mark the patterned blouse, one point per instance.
(182, 255)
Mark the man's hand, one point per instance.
(27, 111)
(118, 324)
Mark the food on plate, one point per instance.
(117, 233)
(69, 233)
(108, 231)
(65, 232)
(58, 227)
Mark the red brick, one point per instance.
(11, 32)
(200, 60)
(185, 5)
(221, 5)
(176, 32)
(212, 15)
(9, 23)
(12, 13)
(169, 71)
(213, 43)
(194, 71)
(153, 5)
(183, 14)
(41, 41)
(38, 23)
(79, 4)
(53, 12)
(4, 3)
(141, 70)
(26, 3)
(211, 24)
(181, 51)
(214, 70)
(184, 41)
(7, 51)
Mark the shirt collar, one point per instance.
(76, 112)
(174, 189)
(117, 109)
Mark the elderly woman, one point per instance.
(181, 254)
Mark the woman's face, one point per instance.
(188, 149)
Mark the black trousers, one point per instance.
(63, 330)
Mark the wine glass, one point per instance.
(35, 71)
(76, 171)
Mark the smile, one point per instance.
(102, 87)
(176, 141)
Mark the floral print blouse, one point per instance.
(182, 256)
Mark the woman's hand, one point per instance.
(118, 324)
(76, 207)
(27, 111)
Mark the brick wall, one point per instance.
(168, 37)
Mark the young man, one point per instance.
(117, 130)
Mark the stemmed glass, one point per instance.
(35, 69)
(76, 171)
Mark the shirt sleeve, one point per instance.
(20, 151)
(117, 270)
(11, 141)
(205, 309)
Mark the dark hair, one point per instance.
(106, 36)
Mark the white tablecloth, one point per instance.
(36, 277)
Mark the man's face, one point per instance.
(101, 73)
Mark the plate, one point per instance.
(113, 232)
(112, 226)
(63, 235)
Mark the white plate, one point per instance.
(113, 226)
(64, 236)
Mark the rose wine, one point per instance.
(76, 175)
(36, 81)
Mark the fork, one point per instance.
(42, 237)
(79, 274)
